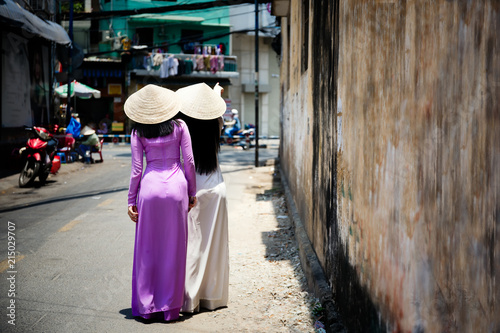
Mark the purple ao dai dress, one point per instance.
(161, 196)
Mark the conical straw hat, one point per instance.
(199, 101)
(87, 131)
(152, 105)
(218, 89)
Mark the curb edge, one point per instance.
(313, 271)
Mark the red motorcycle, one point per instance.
(41, 158)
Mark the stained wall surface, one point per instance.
(391, 146)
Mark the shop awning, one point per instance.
(78, 89)
(12, 14)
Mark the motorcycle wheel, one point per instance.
(44, 175)
(29, 173)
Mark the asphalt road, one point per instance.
(39, 211)
(72, 242)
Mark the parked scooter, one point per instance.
(41, 158)
(242, 138)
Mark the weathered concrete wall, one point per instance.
(391, 146)
(296, 116)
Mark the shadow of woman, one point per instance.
(156, 318)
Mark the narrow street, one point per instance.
(74, 248)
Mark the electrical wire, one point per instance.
(160, 9)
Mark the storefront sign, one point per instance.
(114, 89)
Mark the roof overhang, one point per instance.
(199, 75)
(14, 15)
(158, 18)
(164, 18)
(178, 82)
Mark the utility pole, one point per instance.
(256, 83)
(70, 63)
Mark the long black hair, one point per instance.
(155, 130)
(205, 140)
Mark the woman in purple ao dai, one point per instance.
(158, 201)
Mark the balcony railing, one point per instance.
(165, 65)
(44, 8)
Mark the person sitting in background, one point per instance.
(89, 140)
(103, 128)
(104, 125)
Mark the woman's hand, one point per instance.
(192, 202)
(132, 213)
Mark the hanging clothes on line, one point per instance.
(157, 59)
(174, 65)
(164, 68)
(214, 64)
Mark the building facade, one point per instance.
(175, 48)
(172, 49)
(29, 45)
(242, 88)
